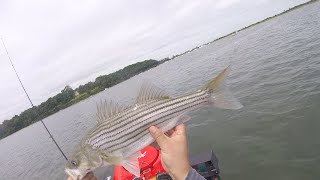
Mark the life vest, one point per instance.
(150, 166)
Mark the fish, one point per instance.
(121, 132)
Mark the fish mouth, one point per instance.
(72, 173)
(76, 173)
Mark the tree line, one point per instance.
(69, 96)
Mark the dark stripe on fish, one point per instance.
(148, 121)
(143, 113)
(129, 140)
(133, 113)
(99, 139)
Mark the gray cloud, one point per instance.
(55, 43)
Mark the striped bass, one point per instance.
(121, 132)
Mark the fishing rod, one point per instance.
(25, 91)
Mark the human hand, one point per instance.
(174, 151)
(89, 176)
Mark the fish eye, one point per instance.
(73, 162)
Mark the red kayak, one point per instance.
(151, 168)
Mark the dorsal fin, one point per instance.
(107, 109)
(149, 92)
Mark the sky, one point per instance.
(71, 42)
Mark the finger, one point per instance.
(158, 135)
(180, 130)
(69, 178)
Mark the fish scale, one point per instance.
(165, 106)
(125, 134)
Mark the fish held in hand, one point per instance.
(121, 132)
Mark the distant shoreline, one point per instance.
(68, 96)
(247, 27)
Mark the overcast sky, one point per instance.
(63, 42)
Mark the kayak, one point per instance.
(151, 168)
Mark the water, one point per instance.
(275, 74)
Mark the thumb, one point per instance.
(158, 135)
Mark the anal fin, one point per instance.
(131, 164)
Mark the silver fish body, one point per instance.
(128, 132)
(122, 132)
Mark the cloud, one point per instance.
(222, 4)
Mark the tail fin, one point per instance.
(220, 96)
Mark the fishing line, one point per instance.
(30, 99)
